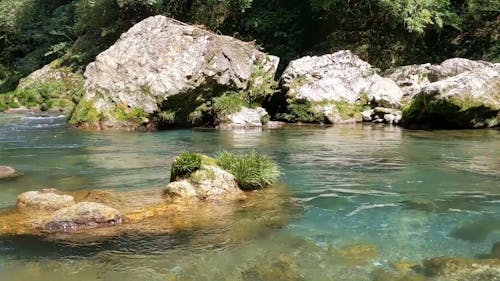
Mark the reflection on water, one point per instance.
(369, 196)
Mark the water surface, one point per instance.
(410, 195)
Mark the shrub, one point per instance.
(252, 170)
(184, 165)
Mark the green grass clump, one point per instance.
(85, 112)
(184, 165)
(252, 170)
(228, 103)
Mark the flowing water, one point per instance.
(398, 195)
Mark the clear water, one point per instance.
(411, 194)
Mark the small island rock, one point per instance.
(44, 200)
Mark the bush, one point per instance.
(184, 165)
(252, 170)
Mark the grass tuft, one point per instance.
(184, 165)
(252, 170)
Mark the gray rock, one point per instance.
(208, 183)
(44, 200)
(367, 115)
(332, 84)
(454, 269)
(8, 172)
(160, 58)
(468, 100)
(245, 118)
(412, 78)
(83, 215)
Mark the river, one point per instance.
(398, 195)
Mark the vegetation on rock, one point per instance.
(252, 170)
(184, 165)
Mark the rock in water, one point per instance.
(458, 93)
(333, 88)
(208, 183)
(454, 269)
(8, 172)
(44, 200)
(164, 66)
(83, 215)
(245, 118)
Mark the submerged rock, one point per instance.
(44, 200)
(458, 93)
(455, 269)
(208, 183)
(161, 70)
(333, 88)
(356, 254)
(8, 172)
(83, 215)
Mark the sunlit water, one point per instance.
(412, 194)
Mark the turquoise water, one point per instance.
(411, 194)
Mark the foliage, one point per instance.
(184, 165)
(384, 32)
(85, 112)
(252, 170)
(228, 103)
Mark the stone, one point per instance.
(245, 118)
(356, 254)
(163, 65)
(456, 269)
(82, 215)
(367, 115)
(468, 100)
(8, 172)
(44, 200)
(285, 268)
(208, 183)
(385, 93)
(334, 87)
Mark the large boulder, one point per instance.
(44, 200)
(208, 183)
(470, 99)
(161, 70)
(8, 172)
(83, 215)
(333, 88)
(412, 78)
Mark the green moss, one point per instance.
(458, 112)
(61, 94)
(85, 112)
(125, 114)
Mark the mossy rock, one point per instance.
(51, 88)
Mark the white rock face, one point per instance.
(458, 93)
(245, 118)
(338, 77)
(161, 57)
